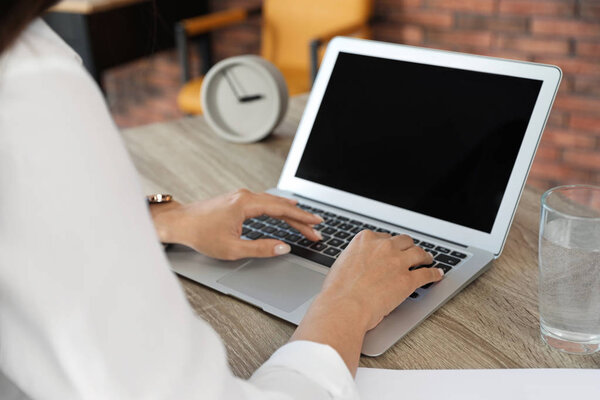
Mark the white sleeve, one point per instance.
(88, 306)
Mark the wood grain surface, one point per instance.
(493, 323)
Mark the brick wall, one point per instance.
(561, 32)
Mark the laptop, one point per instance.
(402, 140)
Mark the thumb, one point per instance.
(261, 248)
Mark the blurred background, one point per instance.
(142, 84)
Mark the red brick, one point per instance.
(555, 171)
(567, 139)
(537, 7)
(558, 118)
(586, 159)
(577, 103)
(586, 122)
(587, 85)
(481, 6)
(546, 152)
(508, 54)
(565, 27)
(473, 38)
(533, 45)
(573, 66)
(490, 22)
(590, 9)
(399, 4)
(588, 49)
(424, 17)
(406, 34)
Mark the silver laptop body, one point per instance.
(476, 121)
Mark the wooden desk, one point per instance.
(493, 323)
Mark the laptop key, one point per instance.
(355, 222)
(457, 254)
(332, 252)
(433, 252)
(444, 267)
(442, 249)
(383, 230)
(306, 242)
(427, 285)
(281, 233)
(269, 229)
(447, 259)
(370, 227)
(341, 235)
(414, 295)
(245, 231)
(356, 230)
(319, 246)
(333, 222)
(343, 218)
(273, 221)
(253, 235)
(329, 231)
(257, 225)
(319, 227)
(346, 227)
(311, 255)
(335, 242)
(427, 245)
(343, 247)
(292, 238)
(415, 241)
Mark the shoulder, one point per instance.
(37, 49)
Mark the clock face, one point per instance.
(242, 99)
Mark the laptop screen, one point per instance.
(434, 140)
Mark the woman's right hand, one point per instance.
(374, 272)
(369, 279)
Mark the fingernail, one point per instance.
(441, 271)
(282, 249)
(318, 234)
(320, 218)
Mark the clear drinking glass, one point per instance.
(569, 260)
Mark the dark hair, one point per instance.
(15, 15)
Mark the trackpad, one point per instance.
(278, 282)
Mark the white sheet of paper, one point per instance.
(478, 384)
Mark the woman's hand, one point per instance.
(213, 227)
(369, 279)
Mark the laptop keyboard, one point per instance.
(338, 231)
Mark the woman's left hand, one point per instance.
(213, 227)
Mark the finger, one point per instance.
(416, 256)
(306, 230)
(423, 276)
(403, 242)
(291, 201)
(260, 248)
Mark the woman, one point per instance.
(88, 306)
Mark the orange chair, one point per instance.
(293, 35)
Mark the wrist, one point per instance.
(165, 217)
(349, 309)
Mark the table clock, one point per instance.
(244, 98)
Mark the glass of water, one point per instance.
(569, 261)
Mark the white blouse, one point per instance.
(88, 306)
